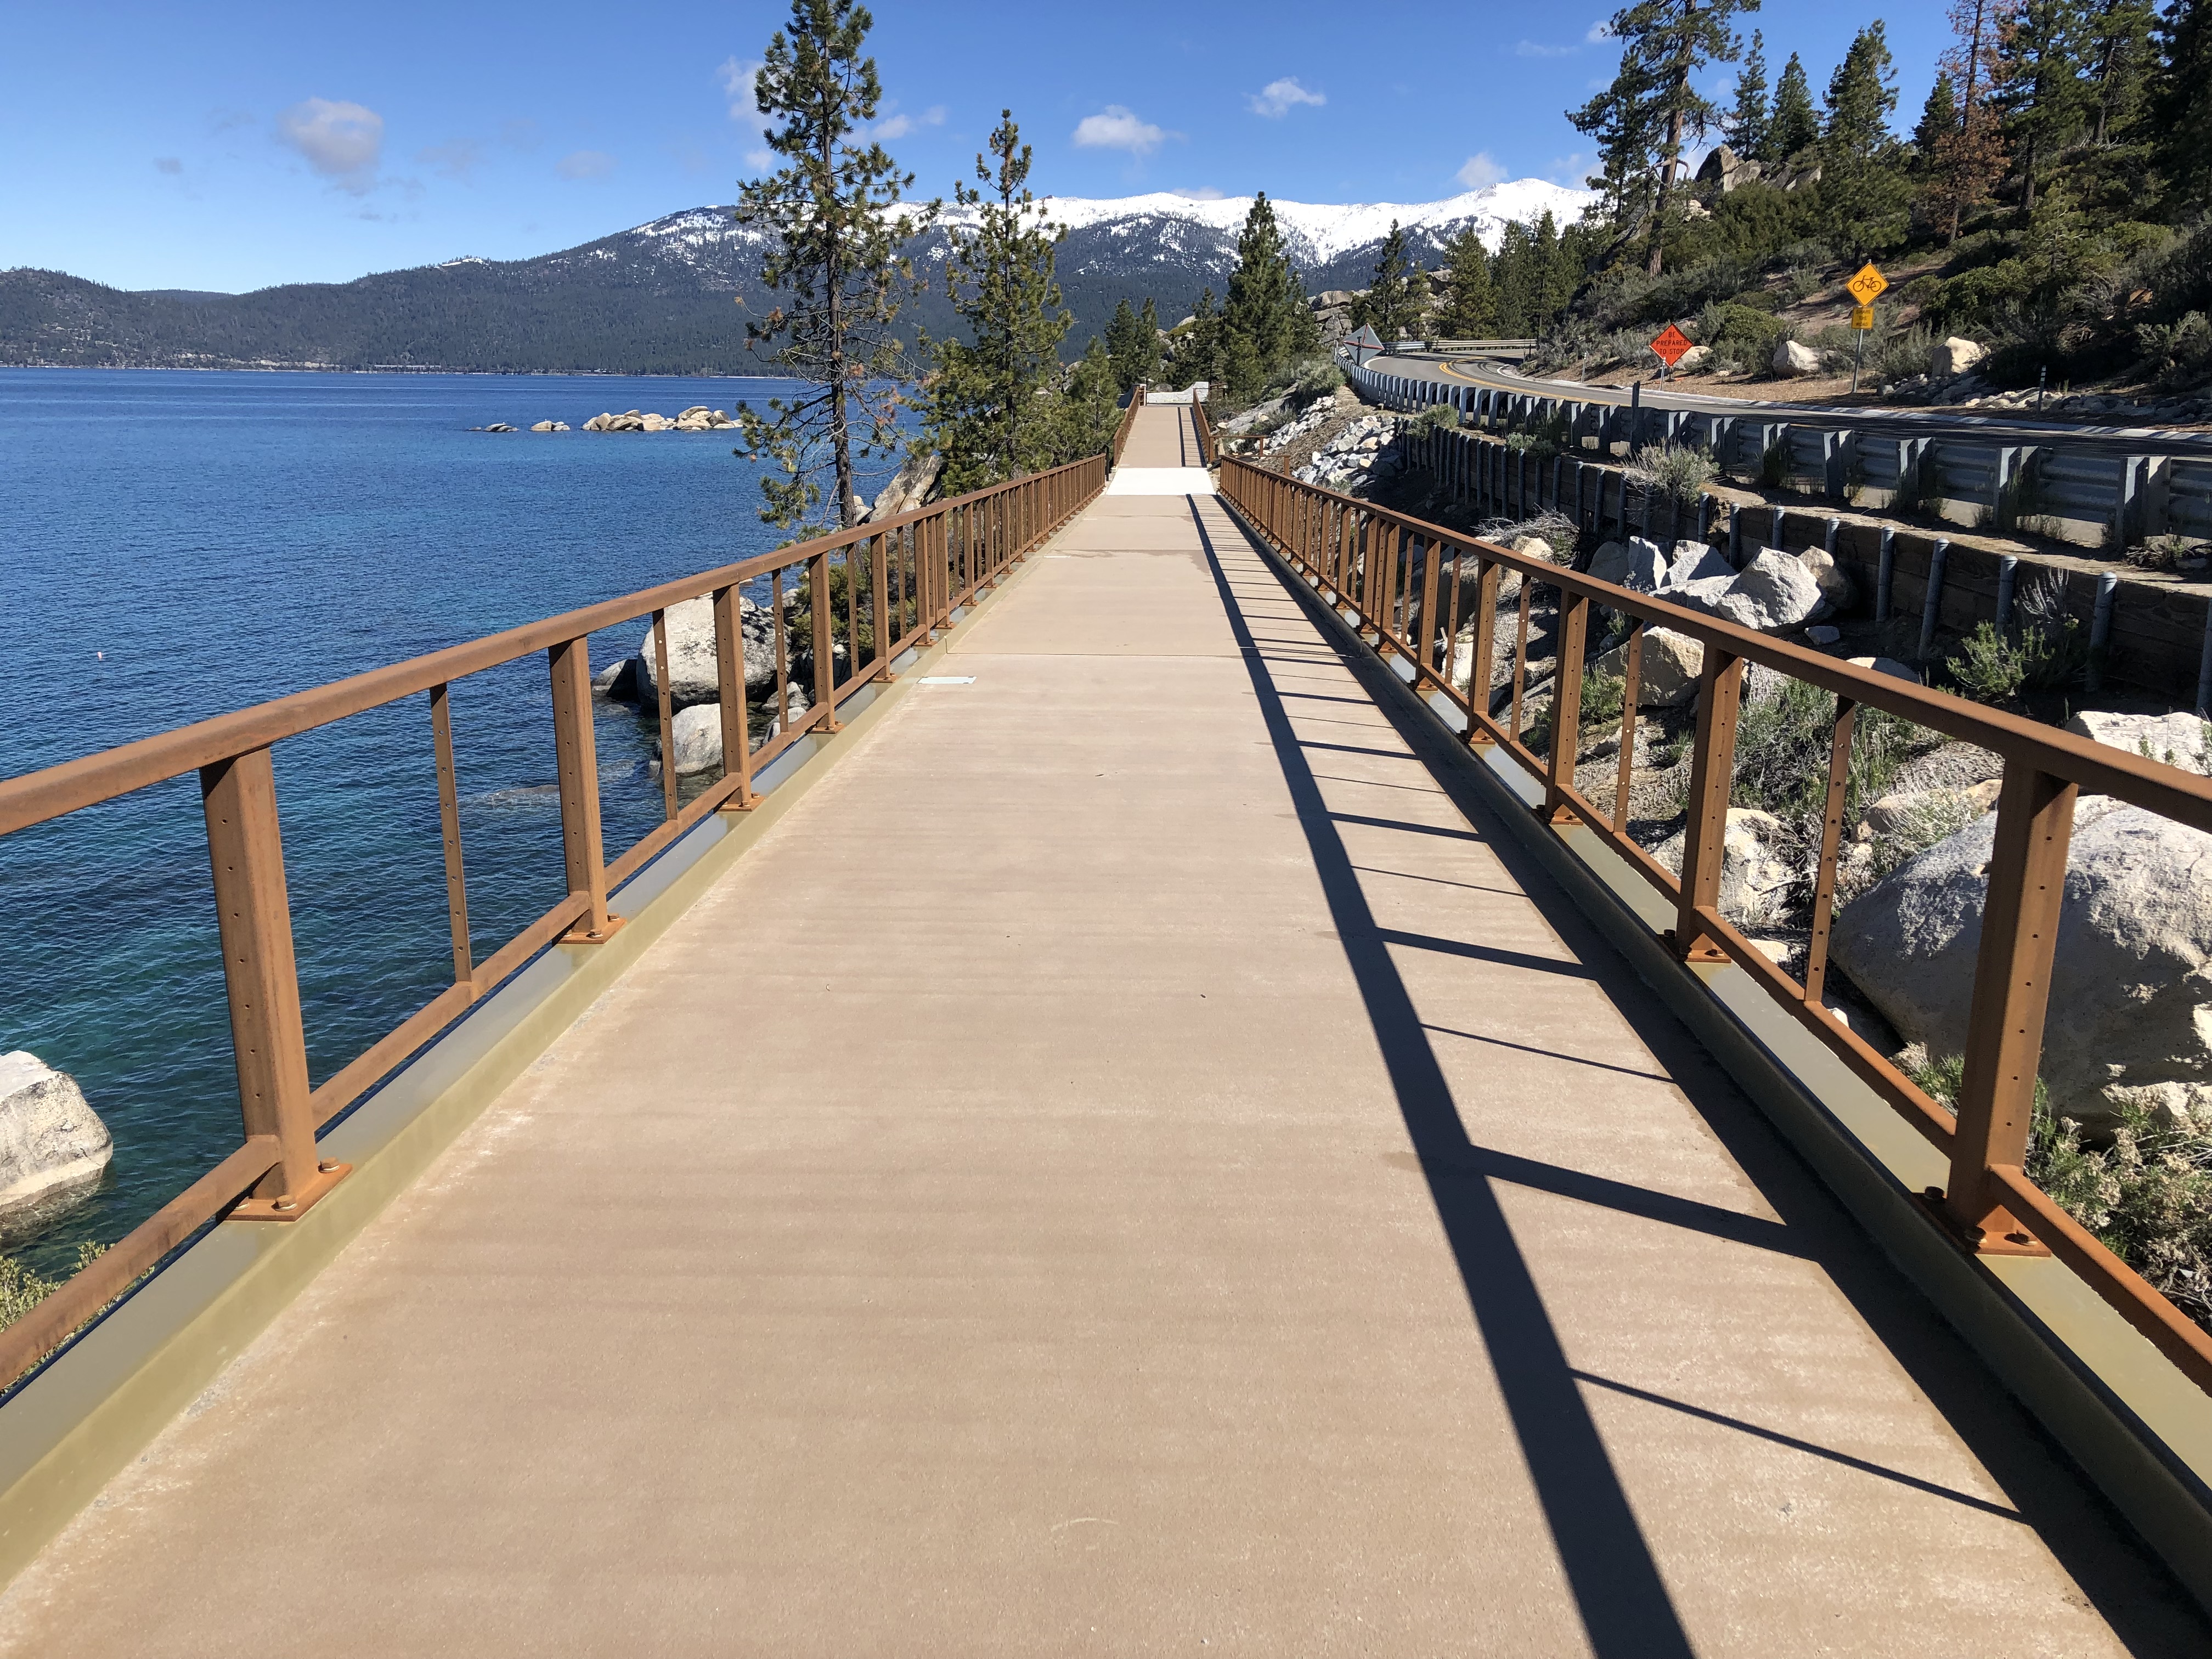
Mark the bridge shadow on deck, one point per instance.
(1621, 1594)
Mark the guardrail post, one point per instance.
(2012, 992)
(1712, 769)
(253, 913)
(577, 757)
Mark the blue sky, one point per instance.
(233, 145)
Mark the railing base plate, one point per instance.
(295, 1205)
(585, 936)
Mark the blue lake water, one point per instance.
(177, 545)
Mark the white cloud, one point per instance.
(1599, 34)
(739, 78)
(1200, 193)
(1531, 49)
(1480, 172)
(455, 160)
(585, 164)
(898, 125)
(1570, 169)
(341, 140)
(1117, 128)
(1276, 98)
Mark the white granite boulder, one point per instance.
(1666, 676)
(53, 1144)
(697, 735)
(2182, 740)
(1954, 356)
(1791, 359)
(2130, 1010)
(693, 676)
(1755, 876)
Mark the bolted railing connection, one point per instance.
(901, 580)
(1402, 582)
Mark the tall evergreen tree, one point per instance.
(1519, 283)
(1133, 346)
(2181, 101)
(1556, 273)
(833, 249)
(1795, 126)
(2117, 40)
(1745, 128)
(1392, 305)
(1939, 117)
(1470, 302)
(1964, 164)
(1862, 191)
(1664, 45)
(1264, 320)
(2040, 90)
(1198, 348)
(984, 413)
(1083, 415)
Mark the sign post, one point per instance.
(1669, 347)
(1865, 289)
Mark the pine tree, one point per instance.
(1265, 319)
(1620, 119)
(982, 414)
(1080, 418)
(1519, 284)
(1939, 116)
(1966, 163)
(1556, 275)
(1664, 44)
(2181, 101)
(1470, 302)
(1795, 127)
(1748, 117)
(1133, 344)
(2041, 91)
(1862, 192)
(833, 249)
(1198, 354)
(1392, 305)
(2117, 35)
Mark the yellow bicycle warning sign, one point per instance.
(1868, 285)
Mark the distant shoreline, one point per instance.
(324, 369)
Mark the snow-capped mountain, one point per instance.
(657, 298)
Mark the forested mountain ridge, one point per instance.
(661, 298)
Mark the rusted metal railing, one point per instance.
(1209, 454)
(1128, 423)
(902, 579)
(1402, 578)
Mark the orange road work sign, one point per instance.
(1671, 345)
(1867, 287)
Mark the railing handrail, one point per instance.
(2183, 796)
(1360, 553)
(55, 791)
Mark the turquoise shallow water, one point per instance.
(177, 545)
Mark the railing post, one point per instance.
(1485, 647)
(880, 599)
(1566, 704)
(730, 672)
(2012, 992)
(449, 827)
(825, 661)
(577, 759)
(253, 912)
(1712, 769)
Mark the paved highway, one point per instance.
(1484, 371)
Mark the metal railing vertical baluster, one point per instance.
(1483, 650)
(1831, 840)
(1566, 704)
(449, 829)
(1632, 688)
(667, 701)
(825, 661)
(730, 675)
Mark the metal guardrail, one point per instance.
(1404, 578)
(1209, 453)
(1128, 422)
(904, 580)
(2109, 497)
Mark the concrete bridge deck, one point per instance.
(1134, 1162)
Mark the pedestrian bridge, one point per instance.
(1128, 1150)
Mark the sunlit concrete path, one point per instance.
(1131, 1163)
